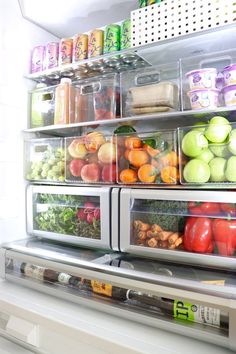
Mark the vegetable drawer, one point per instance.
(73, 215)
(193, 227)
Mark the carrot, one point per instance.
(147, 173)
(170, 175)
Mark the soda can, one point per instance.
(96, 42)
(80, 47)
(37, 58)
(142, 3)
(65, 51)
(112, 38)
(51, 57)
(125, 34)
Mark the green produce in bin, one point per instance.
(208, 153)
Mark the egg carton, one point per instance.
(175, 18)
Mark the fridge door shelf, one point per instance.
(73, 215)
(135, 293)
(156, 224)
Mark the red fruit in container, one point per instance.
(109, 173)
(81, 215)
(97, 213)
(89, 207)
(76, 166)
(90, 173)
(90, 218)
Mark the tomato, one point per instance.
(204, 208)
(195, 208)
(228, 208)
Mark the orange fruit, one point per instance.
(126, 153)
(170, 174)
(128, 176)
(133, 143)
(152, 152)
(169, 159)
(147, 173)
(138, 157)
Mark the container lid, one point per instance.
(199, 71)
(65, 80)
(204, 90)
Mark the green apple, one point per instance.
(206, 155)
(220, 150)
(218, 129)
(232, 142)
(196, 171)
(201, 126)
(193, 143)
(230, 172)
(217, 167)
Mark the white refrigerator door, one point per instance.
(8, 347)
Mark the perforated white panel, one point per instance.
(174, 18)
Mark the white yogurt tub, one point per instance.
(204, 98)
(202, 78)
(229, 73)
(229, 93)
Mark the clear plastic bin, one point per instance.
(150, 90)
(207, 153)
(149, 158)
(91, 159)
(41, 106)
(98, 98)
(45, 160)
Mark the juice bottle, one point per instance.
(64, 102)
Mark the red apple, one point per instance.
(76, 166)
(109, 173)
(90, 173)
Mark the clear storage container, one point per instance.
(98, 98)
(207, 153)
(150, 90)
(71, 215)
(91, 159)
(149, 158)
(193, 227)
(45, 160)
(41, 106)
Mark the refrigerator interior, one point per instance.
(13, 116)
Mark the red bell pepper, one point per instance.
(224, 234)
(228, 208)
(198, 235)
(204, 208)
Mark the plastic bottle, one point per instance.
(64, 102)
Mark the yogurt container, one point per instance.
(204, 98)
(229, 73)
(229, 93)
(202, 78)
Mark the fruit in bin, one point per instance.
(224, 234)
(147, 173)
(232, 142)
(93, 141)
(133, 143)
(107, 153)
(193, 143)
(168, 159)
(228, 209)
(198, 235)
(81, 215)
(217, 167)
(91, 173)
(75, 167)
(196, 171)
(92, 158)
(206, 155)
(138, 157)
(128, 176)
(109, 173)
(204, 208)
(151, 151)
(230, 172)
(170, 175)
(77, 149)
(218, 129)
(220, 150)
(200, 126)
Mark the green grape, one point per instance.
(46, 167)
(50, 174)
(56, 169)
(51, 161)
(44, 174)
(61, 179)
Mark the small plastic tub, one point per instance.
(229, 73)
(202, 78)
(229, 93)
(204, 98)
